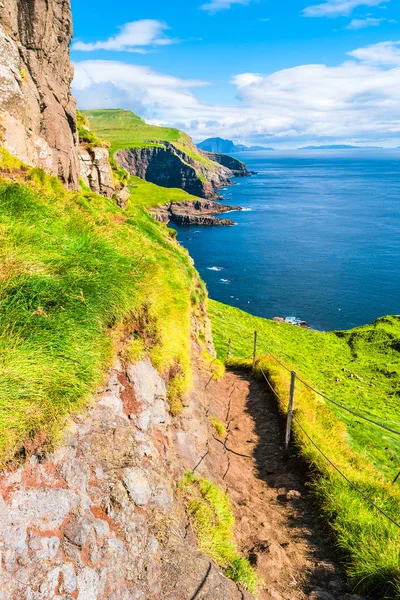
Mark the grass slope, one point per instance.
(149, 195)
(77, 275)
(359, 368)
(124, 129)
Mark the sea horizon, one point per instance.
(317, 239)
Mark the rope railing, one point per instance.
(324, 396)
(349, 410)
(357, 489)
(290, 411)
(291, 415)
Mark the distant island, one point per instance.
(221, 146)
(340, 147)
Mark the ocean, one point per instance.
(318, 238)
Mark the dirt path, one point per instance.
(276, 521)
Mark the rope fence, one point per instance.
(357, 489)
(324, 396)
(292, 417)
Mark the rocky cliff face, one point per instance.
(37, 110)
(101, 518)
(237, 167)
(168, 166)
(96, 170)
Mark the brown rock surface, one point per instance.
(37, 110)
(199, 212)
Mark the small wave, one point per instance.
(215, 268)
(227, 281)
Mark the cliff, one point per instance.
(101, 288)
(37, 110)
(168, 166)
(164, 156)
(96, 171)
(237, 167)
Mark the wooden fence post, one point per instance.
(255, 351)
(290, 410)
(228, 353)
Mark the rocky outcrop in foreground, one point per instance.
(198, 212)
(100, 518)
(37, 110)
(166, 165)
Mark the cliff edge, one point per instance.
(162, 155)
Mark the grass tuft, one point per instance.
(218, 426)
(86, 136)
(212, 519)
(212, 364)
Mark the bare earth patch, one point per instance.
(277, 525)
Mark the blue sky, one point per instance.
(263, 71)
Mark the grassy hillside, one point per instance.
(77, 276)
(124, 129)
(359, 368)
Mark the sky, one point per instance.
(286, 73)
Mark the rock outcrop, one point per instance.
(96, 170)
(237, 167)
(198, 212)
(37, 110)
(166, 165)
(101, 518)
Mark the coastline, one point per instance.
(198, 212)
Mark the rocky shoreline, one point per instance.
(198, 212)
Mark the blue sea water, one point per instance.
(319, 238)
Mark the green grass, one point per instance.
(213, 522)
(218, 426)
(149, 195)
(78, 275)
(86, 136)
(369, 543)
(124, 129)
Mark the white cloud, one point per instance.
(357, 101)
(338, 8)
(133, 37)
(216, 5)
(364, 23)
(124, 83)
(384, 53)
